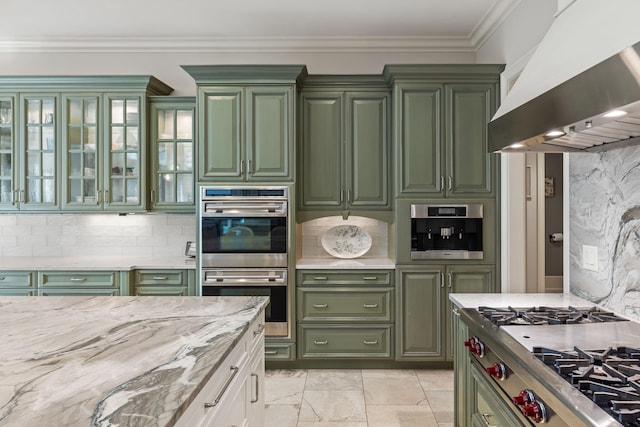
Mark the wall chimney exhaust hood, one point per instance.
(580, 90)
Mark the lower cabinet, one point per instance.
(234, 395)
(164, 282)
(486, 409)
(18, 283)
(424, 329)
(82, 283)
(345, 314)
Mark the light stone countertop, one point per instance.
(116, 263)
(108, 361)
(347, 264)
(518, 300)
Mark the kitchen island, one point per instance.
(107, 361)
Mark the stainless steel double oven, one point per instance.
(244, 247)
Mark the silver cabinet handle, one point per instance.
(78, 279)
(106, 197)
(441, 183)
(1, 278)
(449, 280)
(160, 278)
(270, 352)
(320, 305)
(153, 196)
(370, 305)
(242, 167)
(369, 277)
(349, 196)
(99, 197)
(257, 388)
(319, 277)
(234, 372)
(441, 279)
(486, 421)
(259, 330)
(250, 169)
(374, 342)
(325, 342)
(449, 183)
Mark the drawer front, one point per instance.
(80, 279)
(94, 292)
(161, 277)
(156, 291)
(279, 351)
(17, 279)
(345, 304)
(345, 341)
(344, 277)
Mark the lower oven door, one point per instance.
(272, 283)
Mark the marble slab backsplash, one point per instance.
(310, 242)
(604, 211)
(96, 235)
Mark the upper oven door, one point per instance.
(249, 240)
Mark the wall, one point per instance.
(604, 212)
(95, 235)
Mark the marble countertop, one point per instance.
(108, 361)
(338, 263)
(518, 300)
(116, 263)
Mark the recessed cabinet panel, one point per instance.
(8, 153)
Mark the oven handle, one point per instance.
(245, 209)
(242, 280)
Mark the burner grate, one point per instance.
(547, 315)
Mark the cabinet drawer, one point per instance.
(355, 277)
(17, 279)
(345, 304)
(279, 351)
(80, 279)
(160, 277)
(345, 341)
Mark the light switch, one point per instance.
(590, 257)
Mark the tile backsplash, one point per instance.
(96, 235)
(310, 236)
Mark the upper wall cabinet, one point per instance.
(246, 122)
(172, 136)
(74, 143)
(343, 147)
(441, 116)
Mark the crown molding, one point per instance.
(492, 20)
(226, 45)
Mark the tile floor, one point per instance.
(359, 398)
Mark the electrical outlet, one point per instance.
(590, 257)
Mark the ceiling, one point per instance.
(451, 24)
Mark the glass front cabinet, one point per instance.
(74, 143)
(172, 173)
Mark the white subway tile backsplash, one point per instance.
(95, 234)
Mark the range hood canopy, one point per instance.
(581, 88)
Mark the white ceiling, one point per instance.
(437, 23)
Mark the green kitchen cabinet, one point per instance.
(344, 150)
(347, 314)
(18, 283)
(94, 283)
(246, 122)
(440, 121)
(424, 325)
(74, 143)
(172, 146)
(164, 282)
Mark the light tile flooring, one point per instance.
(359, 398)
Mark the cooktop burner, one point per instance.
(609, 377)
(547, 315)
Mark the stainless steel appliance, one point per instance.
(560, 366)
(446, 231)
(244, 247)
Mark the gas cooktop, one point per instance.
(547, 315)
(609, 377)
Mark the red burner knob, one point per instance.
(497, 371)
(536, 411)
(470, 342)
(525, 396)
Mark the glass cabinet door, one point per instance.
(39, 188)
(82, 154)
(123, 174)
(7, 154)
(172, 139)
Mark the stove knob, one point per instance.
(470, 342)
(525, 396)
(536, 411)
(478, 349)
(497, 371)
